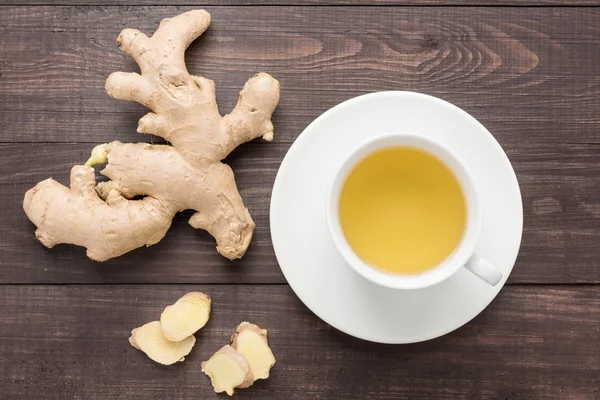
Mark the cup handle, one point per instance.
(484, 270)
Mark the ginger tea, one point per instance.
(402, 210)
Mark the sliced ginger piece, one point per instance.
(185, 317)
(251, 341)
(149, 339)
(228, 370)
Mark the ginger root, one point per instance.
(228, 370)
(188, 174)
(185, 317)
(238, 366)
(251, 341)
(149, 339)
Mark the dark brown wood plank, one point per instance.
(185, 255)
(521, 3)
(62, 342)
(560, 183)
(530, 75)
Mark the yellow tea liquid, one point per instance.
(402, 210)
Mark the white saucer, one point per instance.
(311, 263)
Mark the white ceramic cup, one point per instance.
(463, 255)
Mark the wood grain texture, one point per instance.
(62, 342)
(561, 196)
(530, 75)
(185, 255)
(522, 3)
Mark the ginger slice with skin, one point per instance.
(251, 341)
(186, 316)
(228, 370)
(149, 339)
(188, 174)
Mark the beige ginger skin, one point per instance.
(188, 174)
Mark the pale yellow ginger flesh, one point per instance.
(251, 341)
(149, 339)
(187, 175)
(228, 370)
(186, 316)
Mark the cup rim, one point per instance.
(451, 264)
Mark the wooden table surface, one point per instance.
(529, 71)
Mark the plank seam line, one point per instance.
(160, 141)
(518, 284)
(142, 284)
(455, 5)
